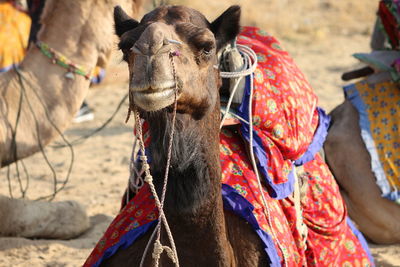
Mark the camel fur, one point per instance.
(46, 102)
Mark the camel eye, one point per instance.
(206, 52)
(207, 47)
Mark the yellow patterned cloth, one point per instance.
(14, 34)
(379, 109)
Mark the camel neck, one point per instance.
(193, 203)
(194, 174)
(66, 34)
(50, 99)
(69, 32)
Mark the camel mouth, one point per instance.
(155, 99)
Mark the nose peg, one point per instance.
(164, 48)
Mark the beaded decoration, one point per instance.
(61, 60)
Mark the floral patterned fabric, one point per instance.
(378, 106)
(134, 220)
(285, 113)
(329, 241)
(288, 130)
(285, 122)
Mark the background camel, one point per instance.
(38, 102)
(377, 217)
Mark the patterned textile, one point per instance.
(135, 219)
(14, 34)
(284, 111)
(330, 240)
(378, 106)
(288, 130)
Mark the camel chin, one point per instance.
(42, 219)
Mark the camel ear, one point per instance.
(123, 22)
(227, 26)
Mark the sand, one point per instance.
(100, 170)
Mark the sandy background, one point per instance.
(320, 34)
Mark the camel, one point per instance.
(175, 90)
(205, 234)
(377, 217)
(38, 101)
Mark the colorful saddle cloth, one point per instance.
(378, 107)
(14, 33)
(289, 130)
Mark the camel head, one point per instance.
(175, 47)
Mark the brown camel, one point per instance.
(45, 104)
(205, 234)
(350, 162)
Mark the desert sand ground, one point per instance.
(320, 35)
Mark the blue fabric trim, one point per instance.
(99, 78)
(393, 196)
(360, 238)
(5, 69)
(318, 139)
(236, 203)
(352, 94)
(278, 191)
(148, 154)
(126, 240)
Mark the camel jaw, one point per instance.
(154, 99)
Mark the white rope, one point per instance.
(250, 60)
(253, 161)
(249, 66)
(236, 116)
(228, 106)
(248, 55)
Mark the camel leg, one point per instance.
(39, 219)
(349, 160)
